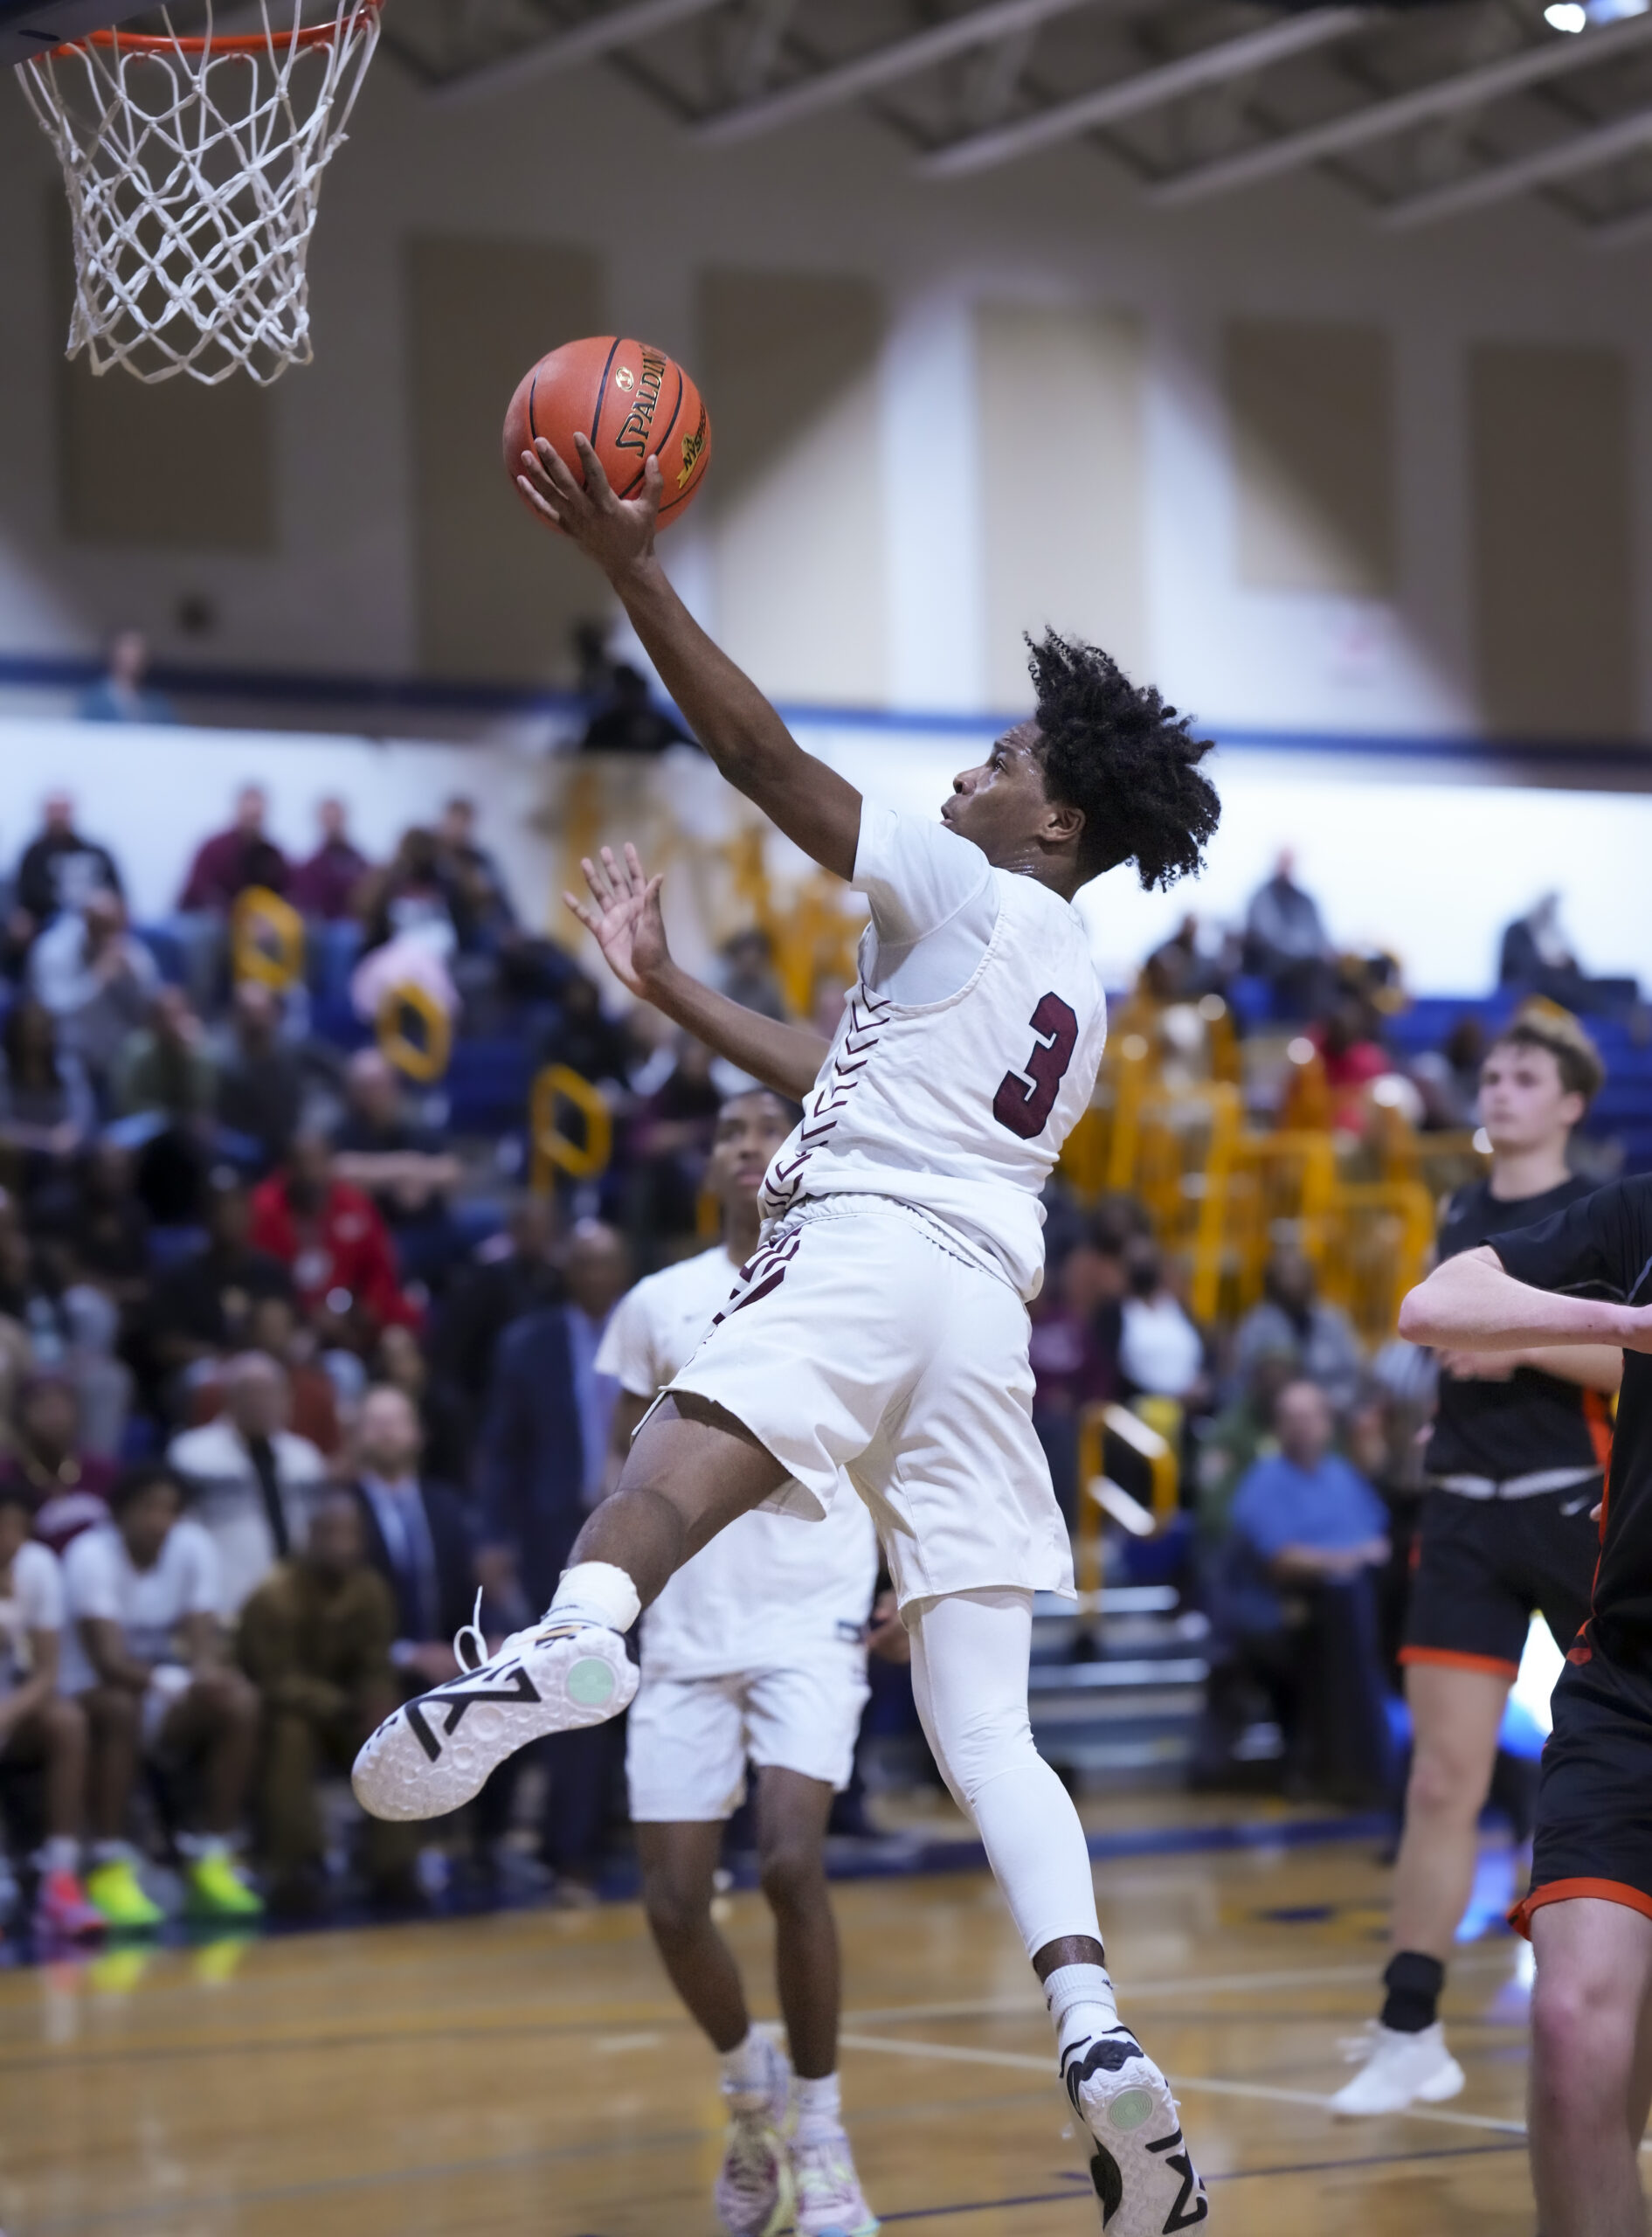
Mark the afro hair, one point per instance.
(1114, 748)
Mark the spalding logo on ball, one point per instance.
(631, 401)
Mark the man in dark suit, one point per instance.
(539, 1469)
(419, 1537)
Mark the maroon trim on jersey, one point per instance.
(868, 1013)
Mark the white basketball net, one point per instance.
(193, 167)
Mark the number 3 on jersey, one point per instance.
(1025, 1109)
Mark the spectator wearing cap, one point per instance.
(251, 1480)
(145, 1656)
(67, 1488)
(332, 1240)
(315, 1639)
(325, 885)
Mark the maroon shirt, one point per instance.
(63, 1510)
(322, 887)
(226, 865)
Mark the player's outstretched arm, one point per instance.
(623, 915)
(812, 805)
(1469, 1304)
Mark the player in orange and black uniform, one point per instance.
(1514, 1467)
(1580, 1279)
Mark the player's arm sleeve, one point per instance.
(918, 876)
(626, 1351)
(1596, 1247)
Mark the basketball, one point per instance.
(630, 399)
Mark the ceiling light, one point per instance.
(1565, 15)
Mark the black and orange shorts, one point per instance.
(1480, 1568)
(1594, 1792)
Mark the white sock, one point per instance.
(596, 1592)
(195, 1847)
(745, 2072)
(58, 1853)
(113, 1852)
(819, 2106)
(1081, 2001)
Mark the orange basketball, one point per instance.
(631, 400)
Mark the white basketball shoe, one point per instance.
(1400, 2069)
(1145, 2182)
(753, 2193)
(830, 2200)
(437, 1750)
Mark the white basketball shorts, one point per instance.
(688, 1739)
(857, 1339)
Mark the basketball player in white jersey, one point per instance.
(881, 1326)
(755, 1651)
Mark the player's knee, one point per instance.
(1582, 2041)
(677, 1906)
(1444, 1784)
(792, 1875)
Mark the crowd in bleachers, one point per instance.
(292, 1369)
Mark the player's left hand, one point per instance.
(615, 532)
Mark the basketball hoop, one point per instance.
(193, 166)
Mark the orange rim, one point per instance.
(230, 43)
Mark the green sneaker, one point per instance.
(217, 1891)
(114, 1890)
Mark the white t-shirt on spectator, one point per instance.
(1159, 1348)
(770, 1591)
(101, 1581)
(31, 1602)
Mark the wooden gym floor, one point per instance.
(529, 2075)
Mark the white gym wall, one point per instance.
(934, 446)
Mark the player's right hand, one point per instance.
(615, 531)
(622, 916)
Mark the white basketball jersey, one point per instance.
(959, 1107)
(770, 1590)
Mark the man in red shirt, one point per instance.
(336, 1243)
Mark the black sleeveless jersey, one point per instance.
(1532, 1421)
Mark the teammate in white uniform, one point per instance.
(882, 1329)
(755, 1651)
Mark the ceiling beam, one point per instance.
(1584, 151)
(565, 50)
(1147, 89)
(1490, 81)
(864, 73)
